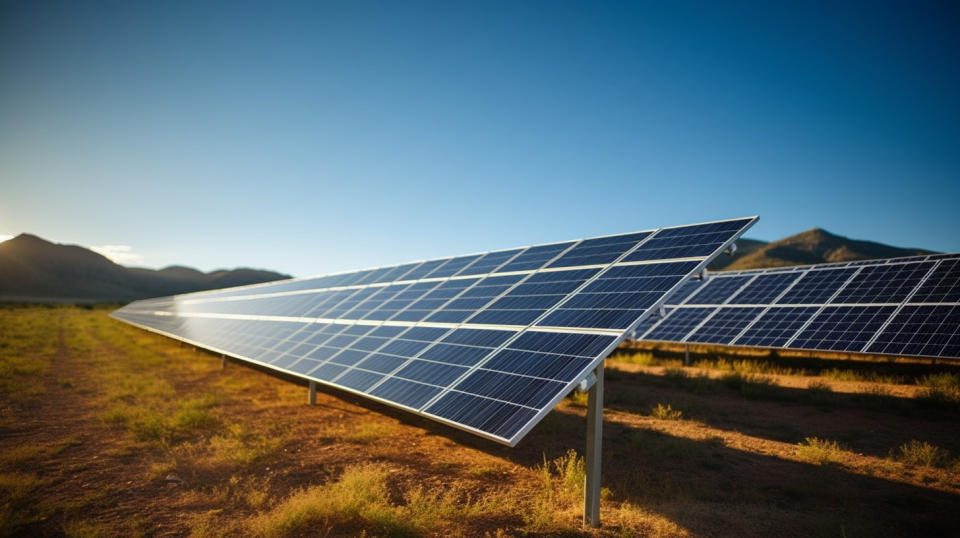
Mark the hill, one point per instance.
(810, 247)
(34, 269)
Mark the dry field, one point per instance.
(107, 430)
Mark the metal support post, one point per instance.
(312, 393)
(591, 491)
(686, 354)
(223, 362)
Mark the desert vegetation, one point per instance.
(108, 430)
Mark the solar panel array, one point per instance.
(486, 342)
(896, 306)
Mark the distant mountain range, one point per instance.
(809, 247)
(34, 269)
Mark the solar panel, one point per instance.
(895, 306)
(488, 343)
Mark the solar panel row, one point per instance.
(486, 342)
(896, 306)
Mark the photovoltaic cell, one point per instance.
(775, 327)
(686, 290)
(688, 241)
(843, 328)
(718, 290)
(486, 342)
(602, 250)
(817, 286)
(883, 283)
(724, 325)
(677, 324)
(765, 288)
(617, 298)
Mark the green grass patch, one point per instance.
(922, 453)
(164, 424)
(838, 374)
(750, 385)
(945, 381)
(241, 446)
(819, 451)
(744, 366)
(368, 432)
(666, 412)
(15, 501)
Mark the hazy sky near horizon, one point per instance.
(323, 136)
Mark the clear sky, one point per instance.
(316, 137)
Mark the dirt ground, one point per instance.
(85, 451)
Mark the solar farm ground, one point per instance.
(109, 430)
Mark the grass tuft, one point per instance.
(819, 451)
(749, 385)
(666, 412)
(369, 432)
(560, 493)
(921, 453)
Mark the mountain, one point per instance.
(34, 269)
(809, 247)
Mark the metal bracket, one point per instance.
(729, 251)
(587, 382)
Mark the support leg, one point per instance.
(312, 393)
(223, 362)
(591, 497)
(686, 354)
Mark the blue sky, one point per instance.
(316, 137)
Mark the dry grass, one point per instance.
(175, 446)
(943, 380)
(361, 499)
(559, 495)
